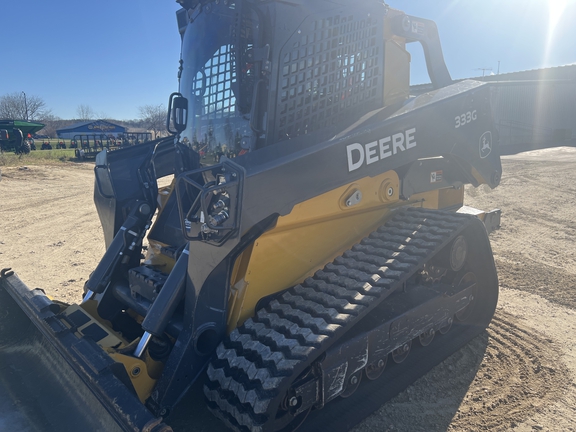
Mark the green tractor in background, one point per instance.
(18, 135)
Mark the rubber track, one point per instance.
(256, 364)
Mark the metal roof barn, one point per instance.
(532, 109)
(94, 127)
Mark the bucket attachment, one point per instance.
(53, 380)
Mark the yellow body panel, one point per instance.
(143, 373)
(156, 258)
(396, 71)
(440, 198)
(90, 314)
(397, 63)
(314, 233)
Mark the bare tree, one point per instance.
(18, 105)
(85, 112)
(153, 118)
(53, 123)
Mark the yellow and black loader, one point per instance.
(324, 263)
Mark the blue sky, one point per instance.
(521, 34)
(118, 55)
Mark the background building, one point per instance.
(532, 109)
(91, 128)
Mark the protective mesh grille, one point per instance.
(327, 74)
(216, 85)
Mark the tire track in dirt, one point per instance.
(521, 372)
(38, 204)
(49, 231)
(517, 271)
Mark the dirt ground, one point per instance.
(519, 375)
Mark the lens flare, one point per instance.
(555, 11)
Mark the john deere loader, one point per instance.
(324, 263)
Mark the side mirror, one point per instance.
(177, 113)
(4, 135)
(103, 180)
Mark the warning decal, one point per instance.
(436, 176)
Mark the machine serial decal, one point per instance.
(360, 155)
(466, 118)
(485, 144)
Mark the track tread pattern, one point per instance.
(255, 365)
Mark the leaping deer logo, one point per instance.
(485, 144)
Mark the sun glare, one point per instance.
(555, 10)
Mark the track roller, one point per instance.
(426, 338)
(467, 281)
(375, 369)
(352, 384)
(446, 327)
(400, 353)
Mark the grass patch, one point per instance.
(37, 157)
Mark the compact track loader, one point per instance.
(321, 266)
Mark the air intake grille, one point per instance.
(330, 74)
